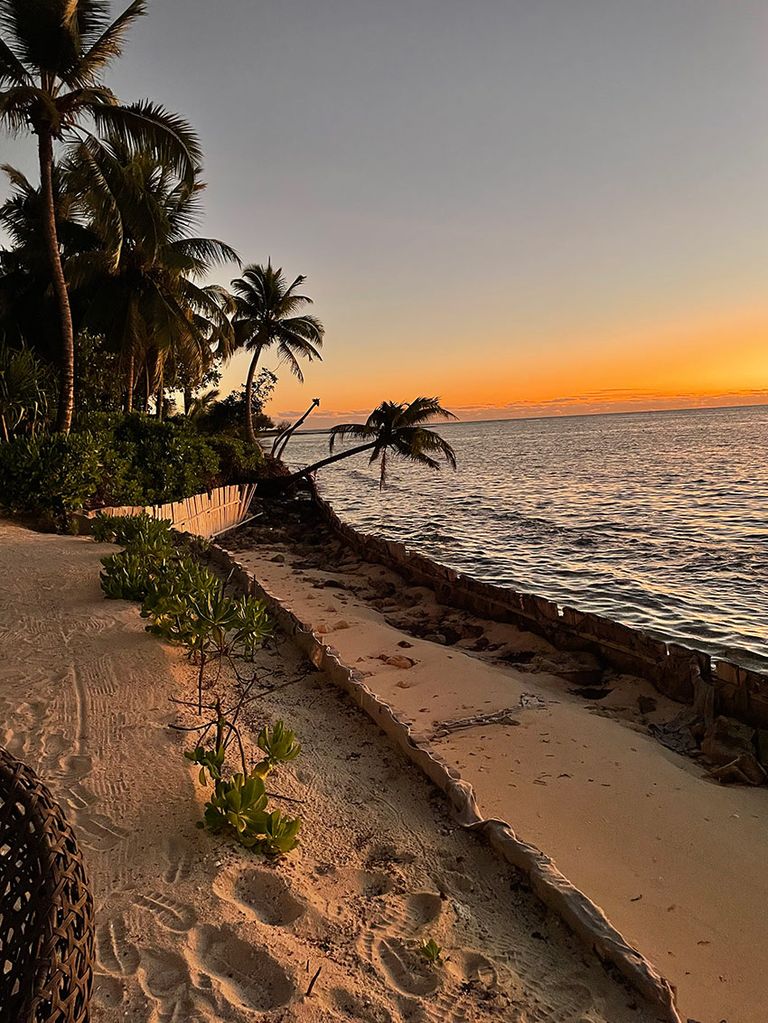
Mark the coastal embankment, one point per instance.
(557, 739)
(189, 927)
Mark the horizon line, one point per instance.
(576, 415)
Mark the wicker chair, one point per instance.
(46, 910)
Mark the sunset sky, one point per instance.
(525, 206)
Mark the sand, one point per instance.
(191, 928)
(676, 861)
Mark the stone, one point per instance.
(399, 661)
(646, 704)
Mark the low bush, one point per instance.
(119, 460)
(186, 603)
(137, 530)
(239, 462)
(49, 475)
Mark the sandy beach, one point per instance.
(675, 860)
(190, 928)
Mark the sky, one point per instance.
(526, 207)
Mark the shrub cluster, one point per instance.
(49, 475)
(119, 459)
(185, 603)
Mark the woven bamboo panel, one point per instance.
(46, 911)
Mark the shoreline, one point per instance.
(683, 673)
(643, 866)
(191, 927)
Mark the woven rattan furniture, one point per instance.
(46, 911)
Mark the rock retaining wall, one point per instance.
(674, 670)
(579, 913)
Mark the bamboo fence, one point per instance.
(202, 514)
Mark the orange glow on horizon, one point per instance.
(672, 366)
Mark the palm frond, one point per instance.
(12, 71)
(358, 431)
(108, 47)
(204, 253)
(423, 410)
(149, 126)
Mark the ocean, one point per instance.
(657, 520)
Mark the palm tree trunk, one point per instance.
(327, 461)
(282, 438)
(131, 383)
(160, 389)
(67, 378)
(249, 430)
(187, 400)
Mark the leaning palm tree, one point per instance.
(394, 428)
(51, 56)
(265, 315)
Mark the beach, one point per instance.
(191, 928)
(674, 859)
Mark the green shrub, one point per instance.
(239, 462)
(49, 475)
(139, 530)
(133, 574)
(151, 462)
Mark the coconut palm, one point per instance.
(143, 278)
(52, 53)
(265, 315)
(396, 429)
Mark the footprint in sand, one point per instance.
(354, 1008)
(98, 832)
(263, 895)
(179, 860)
(107, 990)
(164, 978)
(172, 914)
(114, 953)
(404, 969)
(245, 974)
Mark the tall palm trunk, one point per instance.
(160, 389)
(249, 430)
(67, 378)
(130, 383)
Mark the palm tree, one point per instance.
(265, 314)
(281, 440)
(51, 57)
(394, 428)
(142, 280)
(27, 315)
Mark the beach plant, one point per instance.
(131, 574)
(431, 952)
(237, 803)
(252, 625)
(279, 834)
(137, 530)
(49, 475)
(280, 745)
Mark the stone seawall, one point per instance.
(688, 676)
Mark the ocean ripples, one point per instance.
(657, 520)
